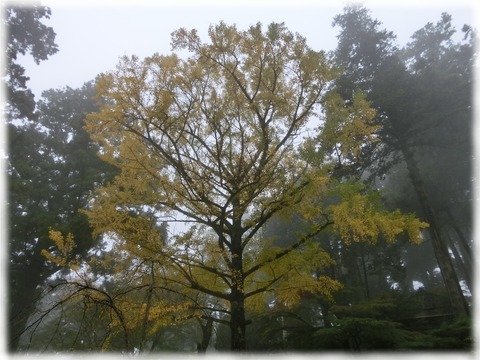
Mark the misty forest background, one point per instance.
(94, 263)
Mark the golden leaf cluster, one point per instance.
(293, 276)
(62, 253)
(359, 217)
(348, 128)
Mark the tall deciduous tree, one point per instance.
(213, 140)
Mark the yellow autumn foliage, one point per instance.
(347, 128)
(61, 255)
(215, 139)
(359, 217)
(295, 276)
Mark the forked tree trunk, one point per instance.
(207, 329)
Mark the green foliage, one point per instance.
(393, 305)
(385, 323)
(26, 34)
(368, 334)
(52, 167)
(454, 336)
(359, 62)
(422, 94)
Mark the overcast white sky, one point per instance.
(92, 35)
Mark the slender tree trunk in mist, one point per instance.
(458, 302)
(23, 297)
(207, 330)
(461, 264)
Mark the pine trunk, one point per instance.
(459, 305)
(23, 297)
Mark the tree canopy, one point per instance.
(214, 140)
(26, 34)
(52, 168)
(422, 95)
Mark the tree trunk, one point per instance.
(237, 303)
(461, 265)
(459, 305)
(21, 306)
(237, 322)
(237, 297)
(365, 275)
(207, 329)
(462, 240)
(148, 302)
(23, 297)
